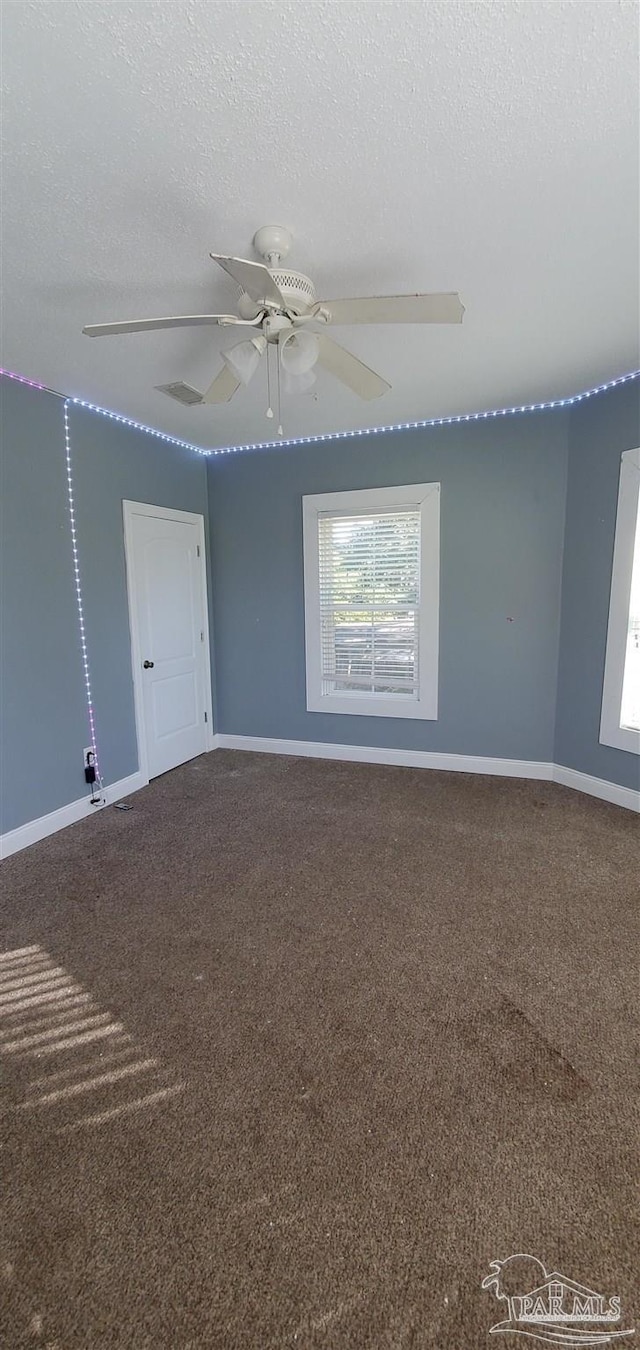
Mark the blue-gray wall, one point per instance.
(44, 715)
(44, 723)
(502, 519)
(600, 429)
(523, 627)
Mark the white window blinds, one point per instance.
(370, 601)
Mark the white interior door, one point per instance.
(167, 599)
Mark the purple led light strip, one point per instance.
(33, 384)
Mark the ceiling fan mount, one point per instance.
(273, 243)
(282, 308)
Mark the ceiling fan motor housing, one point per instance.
(298, 292)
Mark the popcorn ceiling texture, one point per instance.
(489, 148)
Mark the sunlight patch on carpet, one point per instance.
(94, 1070)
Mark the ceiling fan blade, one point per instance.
(178, 321)
(445, 307)
(349, 370)
(253, 278)
(222, 388)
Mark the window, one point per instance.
(371, 579)
(620, 725)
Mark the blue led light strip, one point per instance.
(332, 435)
(139, 426)
(104, 412)
(429, 422)
(78, 585)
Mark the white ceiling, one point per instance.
(488, 147)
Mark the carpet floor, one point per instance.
(293, 1050)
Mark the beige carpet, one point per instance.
(293, 1050)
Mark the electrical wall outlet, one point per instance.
(89, 763)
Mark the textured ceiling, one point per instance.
(488, 147)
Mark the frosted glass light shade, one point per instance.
(243, 360)
(299, 353)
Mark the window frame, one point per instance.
(611, 732)
(425, 496)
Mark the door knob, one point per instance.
(147, 665)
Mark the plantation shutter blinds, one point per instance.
(369, 601)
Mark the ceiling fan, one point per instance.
(282, 309)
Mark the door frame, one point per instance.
(129, 510)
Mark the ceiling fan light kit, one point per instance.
(299, 352)
(283, 306)
(244, 359)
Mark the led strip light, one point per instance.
(104, 412)
(333, 435)
(78, 586)
(430, 421)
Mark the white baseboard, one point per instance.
(34, 830)
(411, 759)
(597, 787)
(427, 759)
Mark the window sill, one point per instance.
(621, 738)
(354, 705)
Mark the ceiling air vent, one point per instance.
(182, 392)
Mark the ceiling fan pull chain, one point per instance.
(269, 409)
(280, 431)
